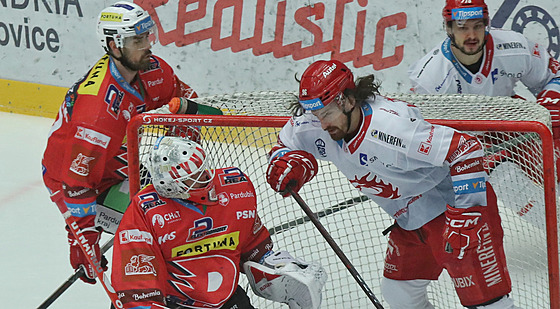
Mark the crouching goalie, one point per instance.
(186, 238)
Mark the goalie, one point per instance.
(184, 240)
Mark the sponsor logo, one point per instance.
(468, 166)
(77, 193)
(467, 13)
(143, 25)
(389, 139)
(204, 227)
(245, 214)
(95, 77)
(510, 45)
(363, 159)
(321, 147)
(469, 186)
(161, 220)
(113, 99)
(511, 75)
(487, 258)
(223, 199)
(494, 74)
(239, 195)
(525, 209)
(128, 236)
(82, 210)
(224, 242)
(92, 137)
(312, 104)
(463, 282)
(140, 265)
(232, 176)
(156, 82)
(80, 165)
(166, 237)
(535, 51)
(329, 70)
(424, 148)
(149, 201)
(110, 17)
(390, 111)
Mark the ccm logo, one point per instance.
(463, 223)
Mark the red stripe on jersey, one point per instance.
(357, 141)
(489, 52)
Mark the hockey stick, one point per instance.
(56, 294)
(320, 214)
(90, 255)
(336, 249)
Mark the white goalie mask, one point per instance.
(123, 21)
(180, 168)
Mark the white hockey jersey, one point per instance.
(508, 57)
(399, 160)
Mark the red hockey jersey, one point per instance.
(86, 149)
(172, 247)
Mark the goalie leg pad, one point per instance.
(296, 284)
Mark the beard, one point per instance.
(141, 65)
(469, 53)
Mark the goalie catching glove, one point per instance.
(462, 229)
(293, 170)
(287, 280)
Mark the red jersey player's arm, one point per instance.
(138, 266)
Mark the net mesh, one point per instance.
(514, 160)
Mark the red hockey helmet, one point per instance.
(322, 81)
(462, 10)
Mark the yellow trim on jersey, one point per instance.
(95, 77)
(223, 242)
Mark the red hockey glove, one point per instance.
(462, 229)
(79, 260)
(551, 100)
(293, 169)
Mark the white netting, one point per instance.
(355, 223)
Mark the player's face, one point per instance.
(333, 120)
(136, 52)
(469, 35)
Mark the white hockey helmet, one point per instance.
(124, 20)
(180, 168)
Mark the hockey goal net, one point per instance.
(519, 158)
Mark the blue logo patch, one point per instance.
(467, 13)
(363, 159)
(468, 186)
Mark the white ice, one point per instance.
(33, 248)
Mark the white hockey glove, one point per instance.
(284, 279)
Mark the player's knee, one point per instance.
(406, 294)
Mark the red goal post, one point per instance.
(518, 130)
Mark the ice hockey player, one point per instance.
(428, 178)
(184, 239)
(477, 59)
(85, 163)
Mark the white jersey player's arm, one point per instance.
(543, 70)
